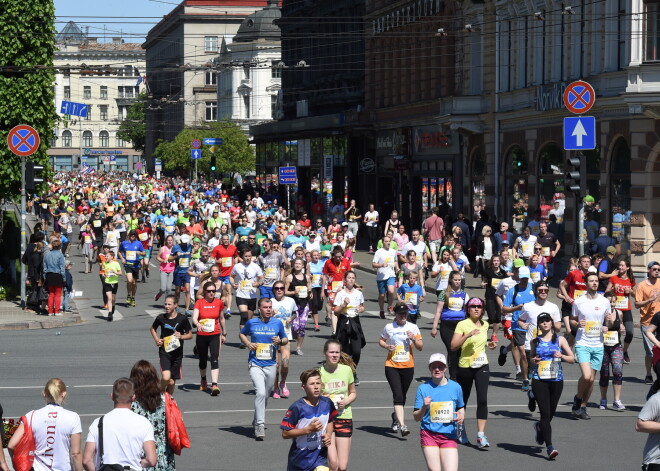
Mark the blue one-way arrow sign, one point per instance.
(213, 141)
(580, 133)
(195, 153)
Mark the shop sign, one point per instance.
(367, 165)
(432, 140)
(550, 97)
(391, 142)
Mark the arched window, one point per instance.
(104, 139)
(88, 140)
(67, 139)
(620, 189)
(516, 185)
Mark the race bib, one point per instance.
(264, 351)
(260, 242)
(169, 228)
(547, 369)
(389, 261)
(410, 299)
(335, 398)
(527, 247)
(270, 273)
(455, 304)
(88, 240)
(479, 360)
(207, 325)
(184, 262)
(442, 412)
(301, 291)
(316, 279)
(295, 246)
(611, 338)
(242, 238)
(494, 282)
(545, 251)
(245, 285)
(535, 276)
(171, 343)
(419, 259)
(444, 275)
(336, 285)
(401, 354)
(351, 310)
(97, 223)
(44, 205)
(226, 262)
(621, 303)
(325, 253)
(143, 236)
(131, 255)
(592, 329)
(578, 292)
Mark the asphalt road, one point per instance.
(89, 357)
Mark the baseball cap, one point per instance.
(185, 238)
(542, 316)
(518, 263)
(592, 269)
(523, 272)
(438, 357)
(652, 264)
(611, 250)
(505, 242)
(344, 224)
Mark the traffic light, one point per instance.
(213, 167)
(34, 175)
(572, 182)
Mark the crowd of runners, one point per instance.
(225, 253)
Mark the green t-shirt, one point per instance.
(131, 224)
(337, 383)
(474, 346)
(326, 250)
(114, 267)
(393, 245)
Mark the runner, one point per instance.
(181, 255)
(226, 256)
(112, 272)
(612, 355)
(211, 334)
(570, 289)
(347, 305)
(130, 252)
(86, 242)
(174, 329)
(298, 285)
(284, 308)
(385, 262)
(273, 265)
(398, 338)
(315, 269)
(647, 300)
(245, 278)
(411, 294)
(621, 284)
(166, 268)
(146, 236)
(334, 270)
(491, 278)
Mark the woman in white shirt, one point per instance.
(348, 304)
(56, 432)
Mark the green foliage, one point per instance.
(234, 156)
(134, 129)
(27, 39)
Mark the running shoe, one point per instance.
(501, 358)
(577, 403)
(133, 302)
(356, 381)
(215, 390)
(203, 385)
(147, 272)
(648, 380)
(395, 423)
(552, 453)
(538, 436)
(276, 392)
(618, 406)
(462, 436)
(525, 386)
(316, 328)
(128, 300)
(284, 390)
(144, 279)
(404, 430)
(603, 404)
(259, 432)
(228, 315)
(583, 414)
(382, 314)
(626, 358)
(482, 442)
(110, 314)
(531, 405)
(519, 376)
(299, 352)
(158, 295)
(493, 338)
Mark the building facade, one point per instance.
(108, 87)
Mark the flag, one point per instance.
(87, 171)
(139, 81)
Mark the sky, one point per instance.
(131, 19)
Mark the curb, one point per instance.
(50, 323)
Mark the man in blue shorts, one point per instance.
(386, 262)
(181, 254)
(130, 252)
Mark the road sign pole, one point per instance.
(196, 169)
(580, 226)
(23, 231)
(288, 201)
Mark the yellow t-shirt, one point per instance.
(473, 351)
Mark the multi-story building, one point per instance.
(181, 75)
(108, 86)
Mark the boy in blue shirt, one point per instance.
(411, 293)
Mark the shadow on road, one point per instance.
(239, 430)
(381, 432)
(512, 414)
(523, 449)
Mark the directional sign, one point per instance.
(579, 97)
(580, 133)
(23, 140)
(288, 176)
(158, 165)
(212, 141)
(196, 144)
(74, 109)
(195, 154)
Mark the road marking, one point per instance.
(151, 264)
(153, 312)
(117, 316)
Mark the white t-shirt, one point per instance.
(389, 258)
(371, 218)
(124, 435)
(283, 310)
(355, 299)
(310, 246)
(419, 248)
(530, 313)
(526, 246)
(251, 217)
(52, 427)
(594, 312)
(213, 243)
(442, 280)
(245, 276)
(397, 335)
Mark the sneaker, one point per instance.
(462, 436)
(519, 376)
(618, 406)
(538, 436)
(482, 442)
(404, 430)
(284, 390)
(203, 385)
(58, 314)
(552, 453)
(577, 403)
(228, 315)
(215, 390)
(395, 423)
(390, 311)
(128, 300)
(603, 404)
(316, 328)
(188, 313)
(356, 381)
(525, 386)
(110, 314)
(158, 295)
(493, 338)
(626, 358)
(382, 314)
(147, 272)
(144, 279)
(583, 414)
(531, 405)
(299, 352)
(259, 432)
(501, 358)
(276, 392)
(133, 302)
(648, 380)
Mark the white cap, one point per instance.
(592, 269)
(185, 238)
(523, 272)
(438, 357)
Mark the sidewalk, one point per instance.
(12, 317)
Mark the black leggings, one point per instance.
(316, 303)
(447, 329)
(372, 232)
(105, 296)
(204, 343)
(480, 377)
(494, 311)
(399, 379)
(630, 326)
(547, 394)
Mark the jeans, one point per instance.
(263, 379)
(65, 300)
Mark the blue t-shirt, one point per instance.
(170, 223)
(243, 232)
(316, 269)
(413, 308)
(128, 249)
(307, 451)
(262, 333)
(551, 371)
(183, 262)
(537, 273)
(450, 392)
(294, 239)
(522, 297)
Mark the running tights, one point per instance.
(447, 329)
(612, 356)
(547, 394)
(204, 343)
(480, 377)
(399, 379)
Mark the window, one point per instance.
(104, 92)
(88, 141)
(89, 113)
(211, 111)
(276, 70)
(67, 139)
(103, 111)
(246, 102)
(246, 72)
(273, 106)
(123, 112)
(126, 71)
(210, 77)
(104, 139)
(126, 92)
(87, 92)
(210, 44)
(120, 142)
(67, 92)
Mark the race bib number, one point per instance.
(455, 304)
(184, 262)
(44, 205)
(264, 351)
(171, 343)
(351, 310)
(242, 238)
(389, 262)
(442, 412)
(226, 262)
(611, 338)
(207, 325)
(479, 360)
(410, 299)
(143, 236)
(301, 291)
(592, 329)
(527, 247)
(495, 282)
(548, 369)
(445, 275)
(131, 255)
(169, 228)
(535, 276)
(325, 253)
(88, 240)
(545, 251)
(578, 292)
(295, 246)
(337, 285)
(245, 285)
(316, 279)
(419, 259)
(97, 223)
(335, 398)
(401, 354)
(260, 242)
(621, 303)
(270, 273)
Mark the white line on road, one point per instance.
(117, 315)
(153, 312)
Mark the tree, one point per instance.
(134, 129)
(235, 155)
(27, 40)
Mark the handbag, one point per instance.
(43, 294)
(106, 467)
(177, 435)
(23, 458)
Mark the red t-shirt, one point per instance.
(234, 212)
(317, 209)
(622, 299)
(306, 223)
(334, 272)
(225, 258)
(145, 240)
(210, 311)
(575, 281)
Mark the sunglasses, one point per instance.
(439, 367)
(542, 290)
(210, 291)
(537, 248)
(278, 288)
